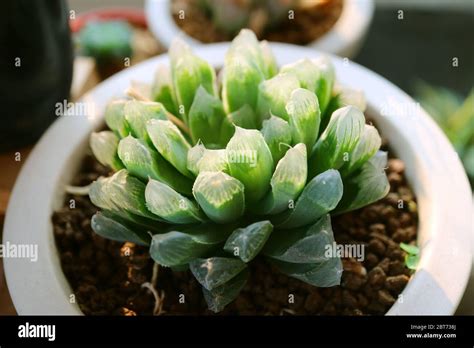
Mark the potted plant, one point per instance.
(333, 26)
(226, 199)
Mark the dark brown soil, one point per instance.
(307, 25)
(107, 276)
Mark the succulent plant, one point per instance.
(244, 173)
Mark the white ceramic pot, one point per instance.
(432, 167)
(344, 39)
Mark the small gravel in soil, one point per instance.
(106, 276)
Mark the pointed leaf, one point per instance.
(104, 146)
(244, 117)
(325, 82)
(306, 72)
(303, 109)
(215, 271)
(109, 228)
(162, 89)
(287, 182)
(168, 204)
(365, 186)
(274, 94)
(144, 162)
(303, 245)
(338, 140)
(178, 247)
(269, 62)
(250, 161)
(170, 143)
(115, 118)
(220, 196)
(319, 197)
(369, 143)
(247, 242)
(221, 296)
(277, 134)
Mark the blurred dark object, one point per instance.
(36, 61)
(422, 45)
(108, 42)
(455, 115)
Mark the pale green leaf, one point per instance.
(215, 271)
(104, 147)
(247, 242)
(221, 296)
(277, 134)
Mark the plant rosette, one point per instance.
(344, 39)
(219, 181)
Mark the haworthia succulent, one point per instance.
(109, 228)
(319, 197)
(115, 118)
(144, 162)
(250, 161)
(325, 82)
(169, 205)
(304, 117)
(270, 65)
(138, 113)
(305, 71)
(220, 196)
(245, 243)
(104, 147)
(287, 182)
(338, 140)
(277, 134)
(274, 94)
(244, 117)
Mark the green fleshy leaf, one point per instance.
(189, 72)
(178, 247)
(410, 249)
(365, 186)
(215, 271)
(170, 143)
(111, 229)
(162, 89)
(369, 143)
(104, 147)
(319, 197)
(194, 156)
(247, 242)
(201, 159)
(287, 182)
(337, 141)
(247, 44)
(305, 71)
(138, 113)
(206, 118)
(244, 117)
(303, 109)
(411, 261)
(303, 245)
(144, 162)
(221, 296)
(250, 161)
(168, 204)
(120, 192)
(325, 83)
(269, 62)
(277, 134)
(220, 196)
(274, 94)
(115, 118)
(323, 274)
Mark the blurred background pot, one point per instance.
(344, 36)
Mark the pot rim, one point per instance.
(344, 37)
(432, 167)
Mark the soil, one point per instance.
(106, 276)
(307, 25)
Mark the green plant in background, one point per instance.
(240, 170)
(232, 15)
(455, 116)
(106, 41)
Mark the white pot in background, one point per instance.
(344, 39)
(432, 168)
